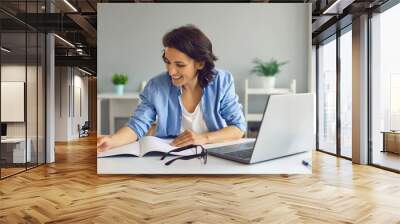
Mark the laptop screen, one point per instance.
(287, 126)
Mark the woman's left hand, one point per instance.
(189, 137)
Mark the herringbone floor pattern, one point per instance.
(70, 191)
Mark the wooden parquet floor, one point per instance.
(70, 191)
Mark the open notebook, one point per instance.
(148, 145)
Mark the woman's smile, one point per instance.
(176, 77)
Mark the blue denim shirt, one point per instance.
(161, 99)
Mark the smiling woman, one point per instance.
(190, 45)
(191, 100)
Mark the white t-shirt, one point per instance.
(193, 121)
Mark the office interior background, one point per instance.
(49, 68)
(47, 82)
(58, 39)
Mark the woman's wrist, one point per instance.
(226, 134)
(206, 138)
(112, 140)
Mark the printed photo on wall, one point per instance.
(219, 88)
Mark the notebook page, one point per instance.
(129, 149)
(151, 143)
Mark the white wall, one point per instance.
(16, 72)
(130, 39)
(61, 103)
(67, 115)
(80, 83)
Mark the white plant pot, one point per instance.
(119, 89)
(269, 82)
(256, 81)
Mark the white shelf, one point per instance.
(115, 111)
(259, 91)
(254, 117)
(19, 154)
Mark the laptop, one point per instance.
(287, 128)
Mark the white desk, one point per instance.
(153, 165)
(19, 155)
(115, 110)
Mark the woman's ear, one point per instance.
(199, 65)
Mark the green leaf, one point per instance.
(267, 68)
(119, 78)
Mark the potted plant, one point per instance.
(268, 70)
(119, 80)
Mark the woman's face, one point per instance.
(182, 68)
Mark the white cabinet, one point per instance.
(119, 106)
(258, 91)
(17, 149)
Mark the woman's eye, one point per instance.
(165, 60)
(180, 66)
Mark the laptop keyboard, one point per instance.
(245, 154)
(242, 150)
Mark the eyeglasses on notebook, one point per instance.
(200, 153)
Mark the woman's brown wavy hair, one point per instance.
(193, 42)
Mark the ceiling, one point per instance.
(76, 22)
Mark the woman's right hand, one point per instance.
(123, 136)
(104, 143)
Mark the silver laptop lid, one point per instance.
(287, 127)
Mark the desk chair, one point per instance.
(84, 130)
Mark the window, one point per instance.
(327, 97)
(385, 86)
(346, 94)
